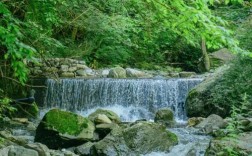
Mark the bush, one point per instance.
(230, 89)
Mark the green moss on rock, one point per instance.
(62, 129)
(65, 122)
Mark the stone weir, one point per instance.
(151, 94)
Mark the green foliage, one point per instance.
(5, 107)
(234, 125)
(231, 88)
(14, 50)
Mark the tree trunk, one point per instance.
(206, 60)
(74, 33)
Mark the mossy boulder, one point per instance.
(165, 116)
(146, 137)
(241, 145)
(136, 139)
(117, 72)
(220, 57)
(62, 129)
(195, 104)
(110, 114)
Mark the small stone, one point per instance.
(72, 69)
(102, 118)
(81, 73)
(21, 120)
(64, 68)
(81, 66)
(67, 74)
(186, 74)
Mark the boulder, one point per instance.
(112, 144)
(117, 72)
(135, 73)
(62, 129)
(211, 123)
(220, 57)
(217, 59)
(240, 145)
(136, 139)
(195, 104)
(110, 114)
(146, 137)
(165, 116)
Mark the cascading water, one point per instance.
(130, 98)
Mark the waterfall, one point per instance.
(142, 96)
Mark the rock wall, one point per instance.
(70, 68)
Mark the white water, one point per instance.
(125, 96)
(131, 99)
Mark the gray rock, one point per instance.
(42, 150)
(81, 72)
(186, 74)
(105, 73)
(242, 145)
(165, 116)
(112, 144)
(102, 119)
(195, 101)
(117, 72)
(67, 74)
(21, 151)
(110, 114)
(135, 73)
(211, 123)
(64, 68)
(85, 149)
(81, 66)
(72, 69)
(145, 137)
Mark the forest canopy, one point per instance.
(136, 33)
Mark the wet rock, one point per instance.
(62, 129)
(146, 137)
(112, 144)
(117, 72)
(110, 114)
(85, 149)
(102, 119)
(165, 116)
(42, 150)
(21, 151)
(240, 145)
(16, 139)
(211, 123)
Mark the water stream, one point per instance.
(131, 99)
